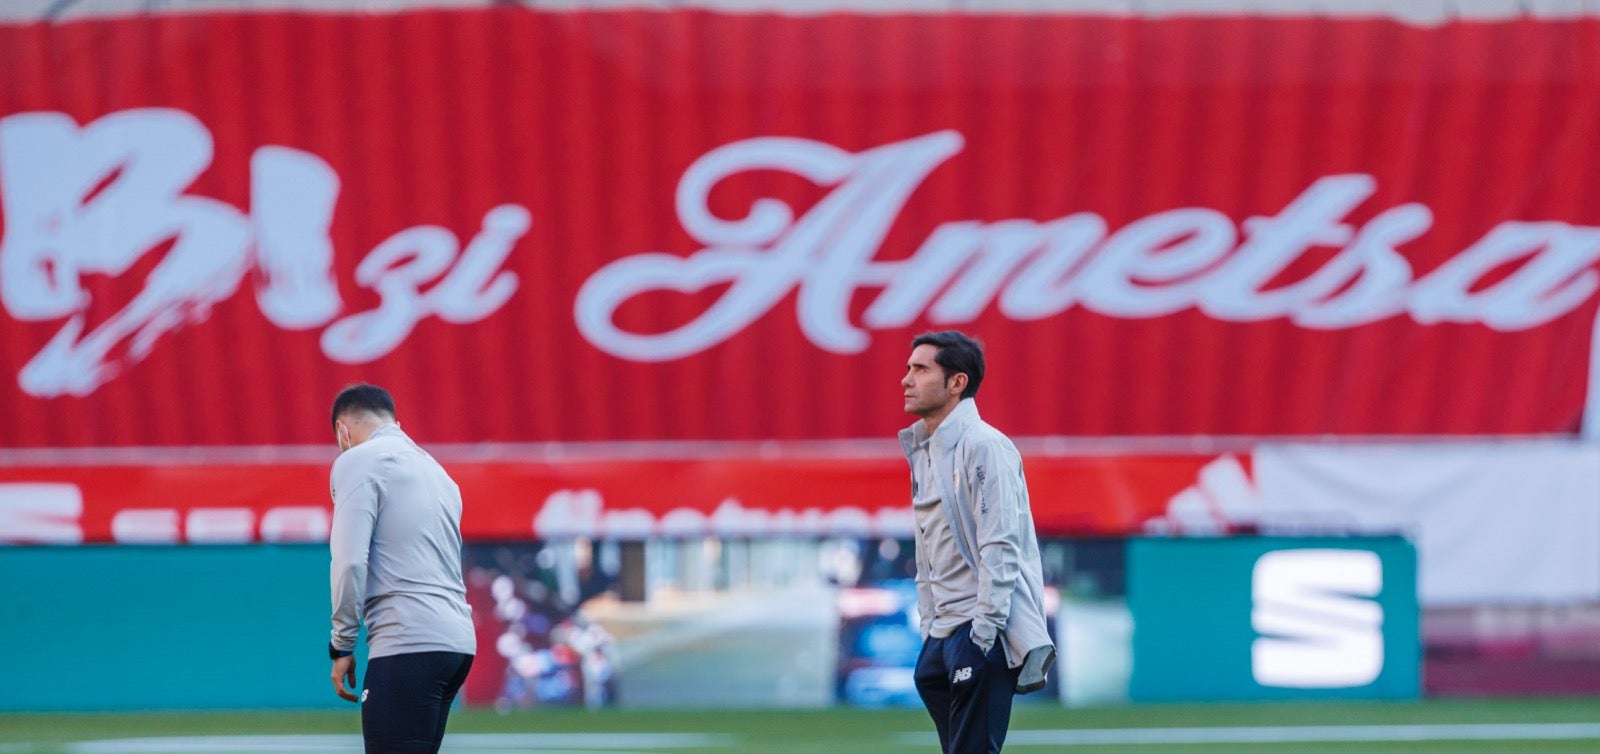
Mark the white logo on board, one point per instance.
(1319, 624)
(40, 513)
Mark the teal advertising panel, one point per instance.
(131, 627)
(1245, 618)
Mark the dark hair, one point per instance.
(958, 353)
(363, 397)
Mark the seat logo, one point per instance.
(1319, 624)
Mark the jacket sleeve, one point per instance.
(924, 591)
(355, 513)
(995, 481)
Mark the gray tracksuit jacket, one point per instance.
(396, 545)
(981, 488)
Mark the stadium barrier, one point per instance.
(134, 627)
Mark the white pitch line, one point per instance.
(469, 743)
(521, 741)
(218, 745)
(1289, 734)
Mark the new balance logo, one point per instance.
(1319, 626)
(964, 674)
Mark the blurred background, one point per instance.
(1289, 305)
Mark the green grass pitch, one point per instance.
(1526, 726)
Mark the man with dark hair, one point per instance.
(955, 353)
(396, 546)
(980, 584)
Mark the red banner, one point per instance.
(667, 225)
(739, 497)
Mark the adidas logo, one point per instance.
(964, 674)
(364, 696)
(1224, 497)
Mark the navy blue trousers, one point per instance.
(406, 699)
(967, 693)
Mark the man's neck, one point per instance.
(367, 431)
(932, 421)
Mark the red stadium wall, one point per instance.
(633, 225)
(625, 269)
(517, 500)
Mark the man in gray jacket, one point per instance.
(980, 587)
(396, 546)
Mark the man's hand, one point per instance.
(976, 634)
(344, 669)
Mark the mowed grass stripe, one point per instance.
(848, 731)
(1291, 734)
(618, 742)
(490, 743)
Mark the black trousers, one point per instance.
(967, 693)
(406, 699)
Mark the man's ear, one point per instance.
(958, 382)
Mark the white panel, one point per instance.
(1492, 521)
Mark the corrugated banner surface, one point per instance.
(1493, 522)
(634, 225)
(513, 500)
